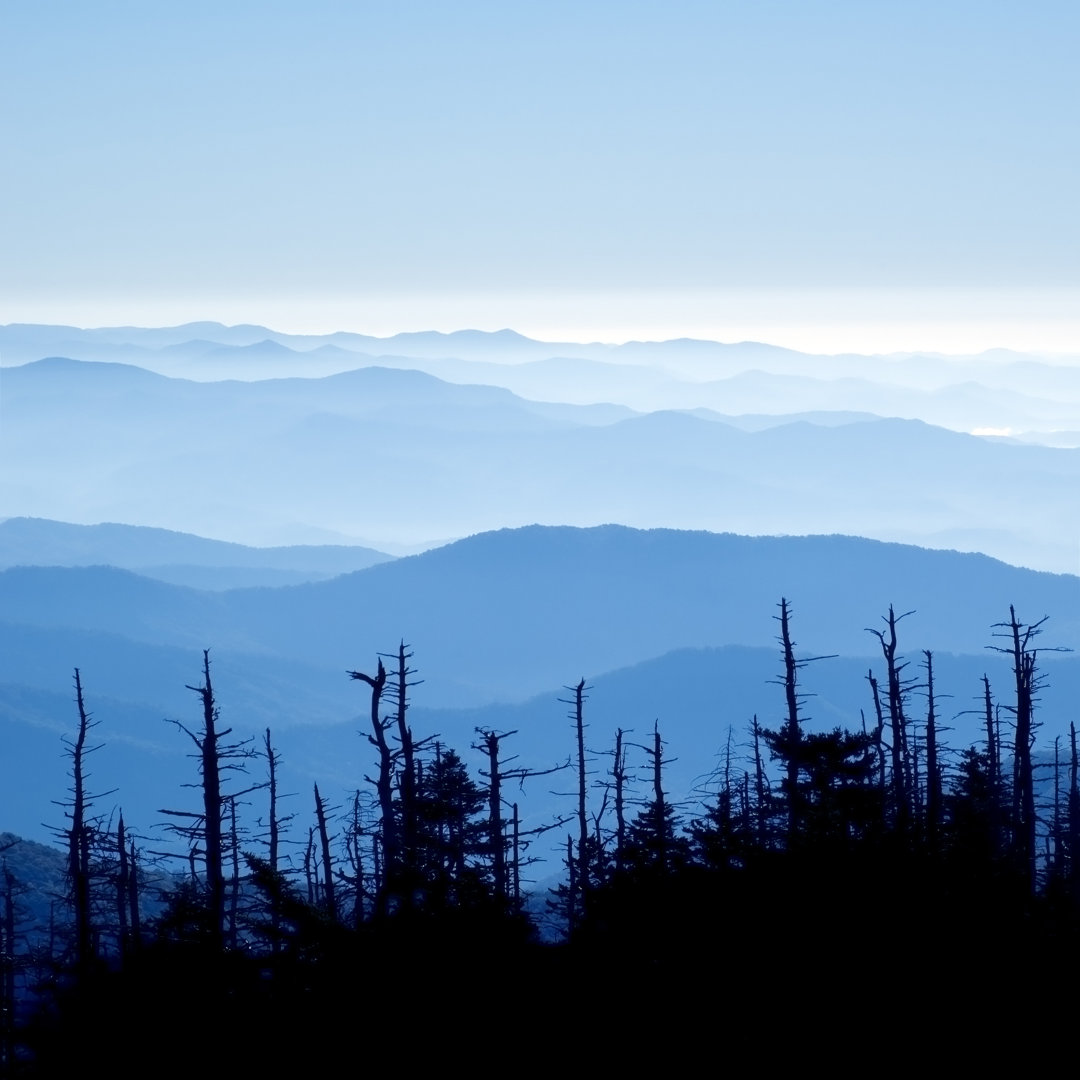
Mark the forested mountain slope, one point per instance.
(502, 615)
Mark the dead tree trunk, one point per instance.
(205, 831)
(618, 774)
(122, 888)
(516, 864)
(788, 745)
(1020, 637)
(212, 806)
(496, 775)
(759, 786)
(496, 841)
(571, 887)
(993, 765)
(659, 805)
(408, 823)
(356, 858)
(1023, 774)
(79, 836)
(234, 881)
(792, 731)
(576, 704)
(133, 897)
(879, 732)
(1055, 859)
(384, 787)
(896, 695)
(309, 876)
(329, 899)
(1073, 824)
(273, 840)
(933, 772)
(273, 843)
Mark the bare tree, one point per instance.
(328, 898)
(619, 781)
(760, 790)
(205, 831)
(786, 744)
(1020, 648)
(933, 769)
(497, 775)
(581, 879)
(80, 836)
(993, 761)
(128, 918)
(896, 700)
(1073, 819)
(397, 689)
(384, 787)
(274, 824)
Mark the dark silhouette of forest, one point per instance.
(838, 888)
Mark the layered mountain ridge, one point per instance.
(670, 626)
(394, 457)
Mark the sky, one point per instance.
(876, 176)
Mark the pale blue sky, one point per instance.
(559, 166)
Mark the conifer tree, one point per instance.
(656, 848)
(450, 836)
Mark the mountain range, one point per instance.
(670, 626)
(737, 475)
(178, 558)
(390, 457)
(1030, 395)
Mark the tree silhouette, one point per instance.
(388, 891)
(896, 702)
(933, 768)
(451, 838)
(1020, 638)
(329, 898)
(655, 847)
(80, 839)
(786, 744)
(205, 831)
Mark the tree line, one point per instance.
(809, 846)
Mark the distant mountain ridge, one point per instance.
(41, 542)
(179, 558)
(401, 456)
(438, 435)
(503, 615)
(994, 389)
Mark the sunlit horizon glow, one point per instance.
(873, 178)
(861, 320)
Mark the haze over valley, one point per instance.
(632, 514)
(503, 499)
(449, 435)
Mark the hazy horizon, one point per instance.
(870, 322)
(833, 178)
(829, 178)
